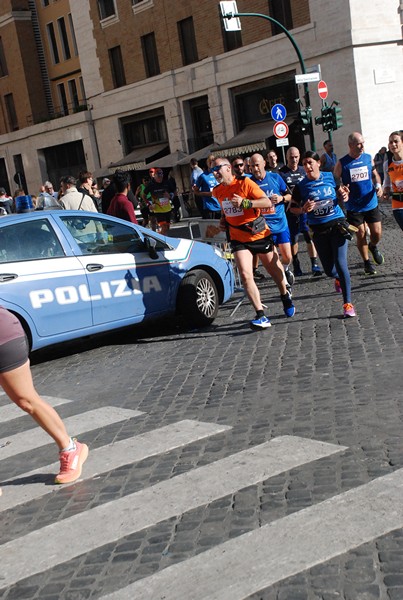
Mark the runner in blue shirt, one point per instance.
(356, 170)
(317, 197)
(275, 188)
(205, 183)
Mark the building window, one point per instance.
(73, 93)
(52, 43)
(45, 2)
(106, 8)
(187, 40)
(150, 55)
(144, 130)
(11, 114)
(232, 39)
(117, 68)
(3, 64)
(73, 35)
(281, 11)
(64, 39)
(64, 107)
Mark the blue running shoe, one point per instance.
(316, 270)
(289, 308)
(260, 323)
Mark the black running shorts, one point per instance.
(13, 354)
(263, 246)
(367, 216)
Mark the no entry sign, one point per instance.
(322, 89)
(280, 129)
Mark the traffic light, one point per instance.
(336, 118)
(325, 119)
(304, 118)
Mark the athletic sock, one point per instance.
(70, 447)
(259, 314)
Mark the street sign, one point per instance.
(283, 142)
(307, 77)
(230, 8)
(280, 129)
(322, 89)
(278, 112)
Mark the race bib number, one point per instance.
(163, 201)
(323, 208)
(359, 174)
(230, 210)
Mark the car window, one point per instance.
(101, 236)
(31, 240)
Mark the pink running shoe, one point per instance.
(337, 286)
(71, 463)
(349, 310)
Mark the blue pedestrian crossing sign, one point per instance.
(278, 112)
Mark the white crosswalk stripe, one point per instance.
(110, 457)
(254, 561)
(11, 411)
(88, 421)
(81, 533)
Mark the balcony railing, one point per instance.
(57, 113)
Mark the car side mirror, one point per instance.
(150, 245)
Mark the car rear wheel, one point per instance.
(198, 298)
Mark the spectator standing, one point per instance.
(72, 199)
(203, 188)
(86, 186)
(5, 201)
(50, 189)
(328, 159)
(196, 171)
(379, 160)
(120, 205)
(272, 163)
(110, 191)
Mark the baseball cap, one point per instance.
(2, 191)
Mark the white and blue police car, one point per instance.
(68, 274)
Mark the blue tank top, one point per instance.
(323, 191)
(274, 184)
(330, 162)
(357, 172)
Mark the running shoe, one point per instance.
(258, 275)
(289, 308)
(337, 286)
(316, 270)
(260, 323)
(289, 275)
(369, 268)
(376, 255)
(298, 271)
(349, 311)
(71, 462)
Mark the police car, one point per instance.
(68, 274)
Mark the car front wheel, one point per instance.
(198, 298)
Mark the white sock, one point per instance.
(70, 447)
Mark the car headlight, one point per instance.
(219, 252)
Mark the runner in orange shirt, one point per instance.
(241, 201)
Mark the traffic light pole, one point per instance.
(301, 62)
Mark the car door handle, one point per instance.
(8, 276)
(94, 267)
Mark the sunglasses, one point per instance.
(218, 167)
(238, 165)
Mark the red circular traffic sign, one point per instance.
(322, 89)
(280, 129)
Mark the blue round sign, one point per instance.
(278, 112)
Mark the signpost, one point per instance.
(307, 77)
(322, 89)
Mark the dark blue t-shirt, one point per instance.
(271, 184)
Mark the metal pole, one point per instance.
(300, 58)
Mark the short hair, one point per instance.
(121, 180)
(237, 157)
(326, 142)
(2, 191)
(48, 184)
(84, 175)
(311, 154)
(194, 161)
(105, 180)
(68, 180)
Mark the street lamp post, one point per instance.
(300, 59)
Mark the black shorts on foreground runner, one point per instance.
(367, 216)
(263, 246)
